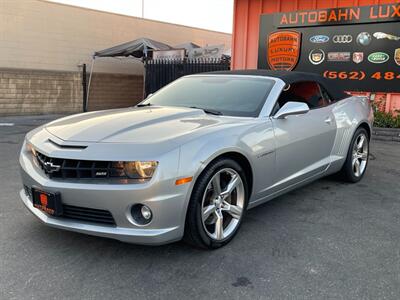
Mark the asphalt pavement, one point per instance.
(328, 240)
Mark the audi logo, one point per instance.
(341, 39)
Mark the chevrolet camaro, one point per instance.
(189, 160)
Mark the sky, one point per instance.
(209, 14)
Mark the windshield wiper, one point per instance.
(144, 104)
(209, 111)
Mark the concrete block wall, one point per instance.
(114, 91)
(39, 92)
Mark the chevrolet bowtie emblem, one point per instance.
(50, 167)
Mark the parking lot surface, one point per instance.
(328, 240)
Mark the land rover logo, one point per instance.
(378, 57)
(319, 39)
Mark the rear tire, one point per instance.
(357, 158)
(217, 205)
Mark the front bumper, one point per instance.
(167, 202)
(130, 235)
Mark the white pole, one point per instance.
(142, 9)
(90, 81)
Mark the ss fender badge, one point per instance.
(265, 154)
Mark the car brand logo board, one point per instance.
(357, 48)
(283, 49)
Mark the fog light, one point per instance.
(146, 212)
(141, 214)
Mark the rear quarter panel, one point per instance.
(349, 113)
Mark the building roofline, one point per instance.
(128, 16)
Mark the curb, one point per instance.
(386, 134)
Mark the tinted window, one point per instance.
(327, 98)
(308, 92)
(233, 96)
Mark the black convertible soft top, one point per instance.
(290, 77)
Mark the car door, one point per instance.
(304, 142)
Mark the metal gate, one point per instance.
(159, 73)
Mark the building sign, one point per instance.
(177, 54)
(358, 47)
(207, 52)
(283, 49)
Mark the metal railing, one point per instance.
(159, 73)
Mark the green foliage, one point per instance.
(387, 119)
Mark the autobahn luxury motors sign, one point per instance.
(359, 47)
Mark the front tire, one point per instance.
(217, 205)
(356, 162)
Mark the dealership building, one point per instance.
(355, 43)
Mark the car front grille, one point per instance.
(92, 215)
(79, 169)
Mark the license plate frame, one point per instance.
(48, 202)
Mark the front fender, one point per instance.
(254, 141)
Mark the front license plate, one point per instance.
(50, 203)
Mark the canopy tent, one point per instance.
(137, 48)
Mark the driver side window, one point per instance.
(308, 92)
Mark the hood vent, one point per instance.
(79, 147)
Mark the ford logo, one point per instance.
(319, 39)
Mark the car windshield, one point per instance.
(226, 95)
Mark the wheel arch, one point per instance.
(242, 161)
(367, 127)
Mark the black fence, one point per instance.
(161, 72)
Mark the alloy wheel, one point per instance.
(360, 155)
(223, 204)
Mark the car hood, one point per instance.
(135, 125)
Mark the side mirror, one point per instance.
(291, 108)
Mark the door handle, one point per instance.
(328, 120)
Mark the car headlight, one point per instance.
(29, 148)
(140, 169)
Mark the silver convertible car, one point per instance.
(188, 161)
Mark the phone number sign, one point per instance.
(357, 47)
